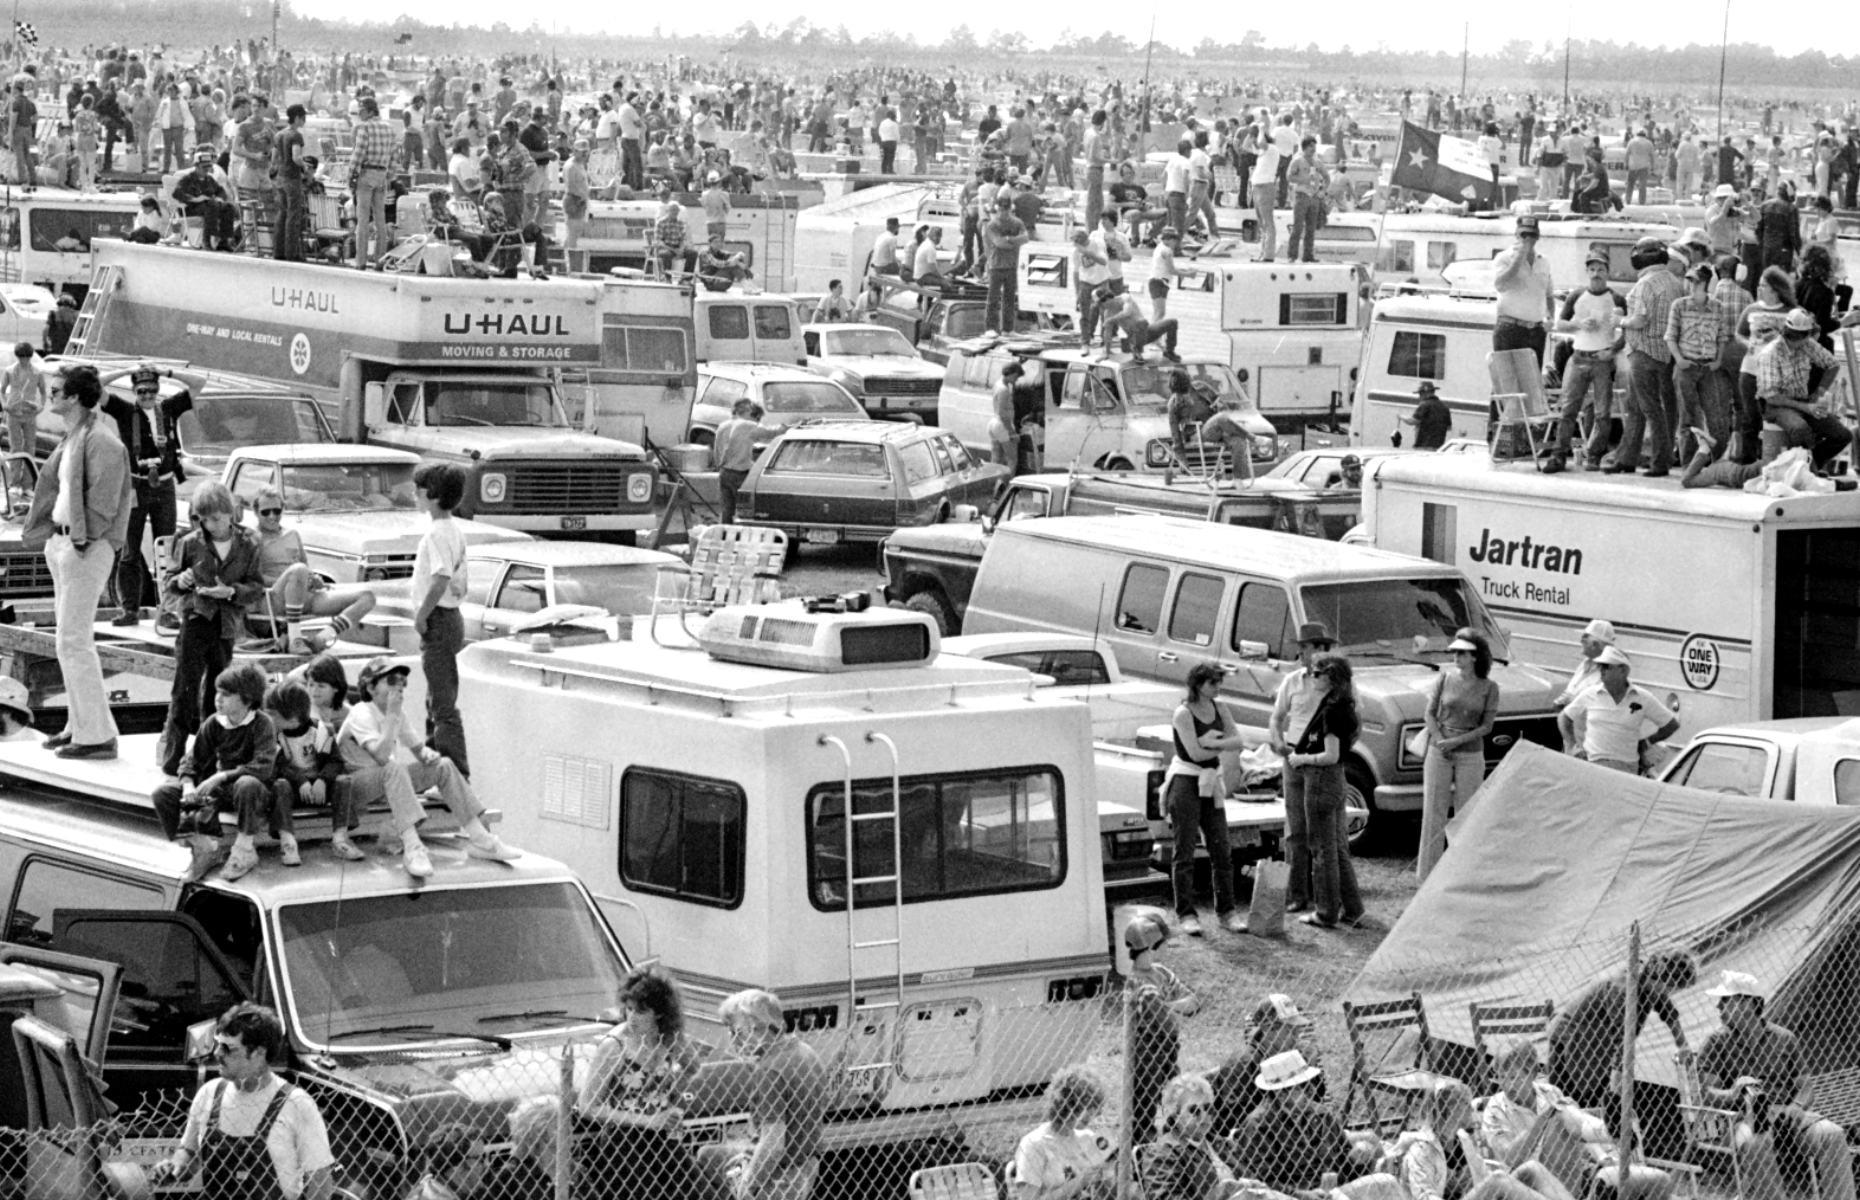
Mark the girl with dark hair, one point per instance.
(1814, 291)
(1317, 761)
(1459, 718)
(635, 1094)
(1760, 324)
(1190, 785)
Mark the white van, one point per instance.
(1166, 594)
(1421, 245)
(1726, 601)
(1438, 337)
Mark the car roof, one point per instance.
(858, 326)
(308, 453)
(764, 372)
(857, 431)
(568, 554)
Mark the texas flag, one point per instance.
(1452, 167)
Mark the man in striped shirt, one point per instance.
(375, 144)
(1695, 334)
(1651, 398)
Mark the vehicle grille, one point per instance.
(564, 488)
(1529, 727)
(886, 386)
(24, 575)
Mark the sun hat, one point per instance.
(1736, 983)
(1611, 657)
(1315, 631)
(1602, 631)
(1285, 1070)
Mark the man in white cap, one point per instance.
(1291, 1142)
(1595, 635)
(1754, 1067)
(1607, 723)
(1276, 1028)
(16, 713)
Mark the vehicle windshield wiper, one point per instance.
(502, 1043)
(533, 1014)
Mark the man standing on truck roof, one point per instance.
(1526, 294)
(1608, 722)
(1003, 237)
(147, 429)
(80, 514)
(287, 239)
(254, 1136)
(439, 570)
(1594, 316)
(374, 155)
(1653, 404)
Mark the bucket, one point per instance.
(688, 456)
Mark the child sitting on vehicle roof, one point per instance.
(234, 757)
(308, 769)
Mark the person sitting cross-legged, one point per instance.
(233, 759)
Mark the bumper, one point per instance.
(568, 523)
(1398, 797)
(826, 535)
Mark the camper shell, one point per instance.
(622, 234)
(1440, 337)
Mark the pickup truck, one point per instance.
(931, 568)
(933, 322)
(1810, 760)
(879, 367)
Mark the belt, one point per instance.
(62, 530)
(1592, 353)
(371, 166)
(1515, 321)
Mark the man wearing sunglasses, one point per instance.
(294, 591)
(147, 427)
(251, 1135)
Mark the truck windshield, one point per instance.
(458, 959)
(348, 487)
(216, 424)
(1400, 618)
(865, 342)
(1146, 385)
(454, 402)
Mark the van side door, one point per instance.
(1263, 640)
(1191, 629)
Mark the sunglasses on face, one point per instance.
(146, 392)
(270, 512)
(226, 1049)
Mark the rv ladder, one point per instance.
(880, 950)
(96, 301)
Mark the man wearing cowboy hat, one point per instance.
(1291, 1142)
(1794, 374)
(16, 713)
(1276, 1027)
(1431, 418)
(1293, 706)
(1608, 722)
(200, 194)
(1753, 1066)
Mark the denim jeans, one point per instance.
(1650, 381)
(1448, 780)
(1191, 813)
(156, 511)
(1587, 380)
(1268, 221)
(1334, 893)
(1305, 216)
(1003, 301)
(1702, 404)
(439, 659)
(201, 652)
(78, 577)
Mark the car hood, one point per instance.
(492, 442)
(963, 539)
(1406, 687)
(886, 364)
(384, 531)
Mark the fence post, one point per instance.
(564, 1126)
(1630, 1027)
(1126, 1145)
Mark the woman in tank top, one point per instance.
(1202, 731)
(1460, 713)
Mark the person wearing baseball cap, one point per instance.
(1607, 723)
(1526, 294)
(1277, 1026)
(1594, 638)
(16, 712)
(1753, 1066)
(1349, 475)
(370, 741)
(1794, 373)
(202, 196)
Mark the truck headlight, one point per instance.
(491, 488)
(639, 487)
(374, 574)
(1158, 453)
(1265, 446)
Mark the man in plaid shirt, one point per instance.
(1695, 334)
(375, 144)
(1651, 398)
(1793, 373)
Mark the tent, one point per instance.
(1556, 859)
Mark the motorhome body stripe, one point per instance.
(997, 973)
(1540, 615)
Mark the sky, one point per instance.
(1360, 24)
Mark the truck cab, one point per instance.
(1809, 760)
(879, 367)
(932, 323)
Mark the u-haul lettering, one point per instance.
(534, 325)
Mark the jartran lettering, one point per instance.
(532, 325)
(1532, 555)
(304, 300)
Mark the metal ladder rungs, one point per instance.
(878, 944)
(863, 880)
(887, 815)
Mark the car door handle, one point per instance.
(1168, 656)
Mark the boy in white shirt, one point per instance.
(438, 586)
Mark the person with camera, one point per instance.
(1753, 1067)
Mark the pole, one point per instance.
(1149, 52)
(1465, 50)
(1630, 1028)
(1566, 71)
(1724, 42)
(275, 6)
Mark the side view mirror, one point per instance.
(988, 524)
(1253, 650)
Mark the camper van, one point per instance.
(621, 233)
(834, 240)
(1421, 245)
(1761, 638)
(948, 944)
(46, 234)
(1427, 336)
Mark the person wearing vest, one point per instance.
(250, 1135)
(1191, 798)
(147, 429)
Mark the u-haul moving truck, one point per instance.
(709, 817)
(456, 369)
(1740, 606)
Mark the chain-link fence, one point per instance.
(1372, 1096)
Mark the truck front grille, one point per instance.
(24, 575)
(544, 490)
(888, 386)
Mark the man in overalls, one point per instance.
(251, 1135)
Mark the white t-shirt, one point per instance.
(924, 261)
(1047, 1158)
(608, 127)
(1095, 272)
(885, 250)
(1613, 730)
(1526, 299)
(1176, 173)
(1266, 166)
(362, 727)
(298, 1142)
(1605, 308)
(1284, 141)
(464, 168)
(887, 130)
(442, 552)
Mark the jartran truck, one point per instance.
(452, 369)
(1739, 607)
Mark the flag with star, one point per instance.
(1454, 168)
(26, 32)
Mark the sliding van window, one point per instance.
(971, 834)
(1140, 603)
(682, 836)
(1197, 606)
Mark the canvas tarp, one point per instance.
(1556, 860)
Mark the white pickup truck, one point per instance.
(1810, 760)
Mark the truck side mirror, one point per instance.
(1253, 650)
(988, 523)
(374, 404)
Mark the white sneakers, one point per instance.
(1191, 925)
(414, 857)
(240, 862)
(343, 848)
(287, 847)
(485, 844)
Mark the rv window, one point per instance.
(1332, 308)
(682, 836)
(1847, 781)
(1723, 767)
(774, 321)
(1418, 355)
(67, 229)
(1397, 258)
(525, 590)
(728, 323)
(962, 835)
(1265, 615)
(1441, 255)
(1197, 604)
(655, 348)
(45, 888)
(1066, 668)
(1139, 605)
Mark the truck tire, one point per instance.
(1116, 462)
(931, 603)
(1359, 791)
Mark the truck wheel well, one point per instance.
(1359, 791)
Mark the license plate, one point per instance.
(574, 522)
(821, 537)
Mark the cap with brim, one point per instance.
(1285, 1070)
(204, 154)
(1350, 460)
(1527, 225)
(1278, 1007)
(1723, 190)
(1611, 657)
(1799, 320)
(1596, 257)
(15, 699)
(142, 375)
(1736, 983)
(1459, 644)
(1315, 633)
(1425, 388)
(1694, 236)
(379, 667)
(1602, 631)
